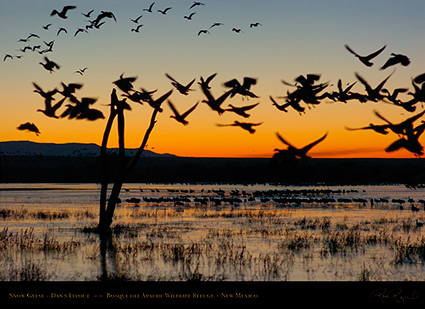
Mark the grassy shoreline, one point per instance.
(203, 244)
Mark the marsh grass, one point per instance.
(25, 214)
(207, 244)
(408, 251)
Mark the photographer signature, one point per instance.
(397, 295)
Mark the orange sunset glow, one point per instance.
(270, 51)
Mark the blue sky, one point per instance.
(297, 37)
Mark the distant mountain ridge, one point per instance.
(27, 148)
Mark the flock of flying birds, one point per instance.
(307, 92)
(95, 23)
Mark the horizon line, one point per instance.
(260, 156)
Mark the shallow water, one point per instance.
(240, 238)
(87, 195)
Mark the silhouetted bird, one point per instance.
(33, 35)
(189, 17)
(156, 104)
(241, 110)
(30, 127)
(419, 94)
(411, 143)
(308, 80)
(49, 44)
(81, 71)
(80, 30)
(280, 107)
(299, 152)
(206, 83)
(49, 65)
(146, 95)
(102, 15)
(150, 8)
(255, 25)
(62, 14)
(403, 127)
(25, 48)
(237, 30)
(195, 3)
(382, 129)
(395, 59)
(125, 83)
(87, 14)
(97, 26)
(306, 91)
(136, 96)
(242, 89)
(214, 104)
(50, 111)
(181, 117)
(343, 94)
(48, 98)
(181, 88)
(164, 11)
(373, 94)
(365, 59)
(419, 79)
(293, 100)
(82, 110)
(136, 20)
(61, 29)
(203, 31)
(137, 29)
(7, 56)
(392, 98)
(69, 90)
(216, 25)
(46, 27)
(244, 125)
(46, 50)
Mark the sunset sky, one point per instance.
(296, 37)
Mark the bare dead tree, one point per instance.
(107, 205)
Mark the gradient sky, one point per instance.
(297, 37)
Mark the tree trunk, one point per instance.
(107, 211)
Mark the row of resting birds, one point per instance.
(95, 23)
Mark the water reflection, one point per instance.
(108, 259)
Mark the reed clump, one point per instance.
(408, 251)
(25, 214)
(26, 240)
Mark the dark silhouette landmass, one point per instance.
(27, 148)
(84, 166)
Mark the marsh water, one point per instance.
(214, 232)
